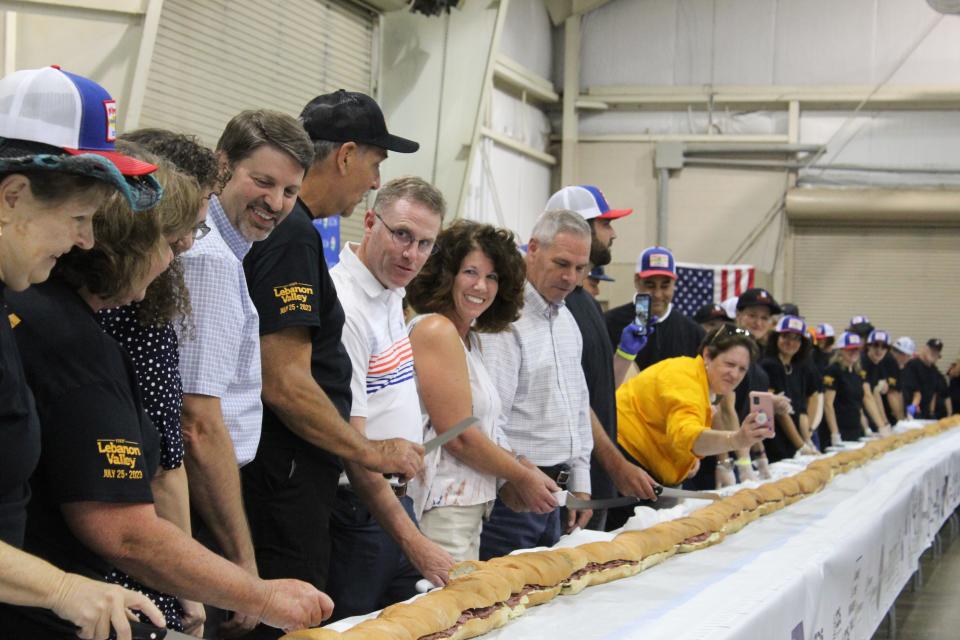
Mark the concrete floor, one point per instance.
(933, 611)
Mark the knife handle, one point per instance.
(657, 489)
(144, 631)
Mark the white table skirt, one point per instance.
(827, 567)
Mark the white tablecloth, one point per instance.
(827, 567)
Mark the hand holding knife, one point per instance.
(566, 499)
(440, 440)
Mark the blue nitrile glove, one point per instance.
(632, 342)
(912, 410)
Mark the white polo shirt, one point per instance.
(375, 337)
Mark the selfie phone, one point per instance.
(641, 312)
(761, 403)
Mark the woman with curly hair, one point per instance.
(473, 284)
(146, 330)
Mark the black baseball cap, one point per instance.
(710, 311)
(597, 273)
(935, 343)
(350, 116)
(790, 309)
(757, 298)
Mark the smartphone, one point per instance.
(761, 403)
(641, 312)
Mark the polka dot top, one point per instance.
(156, 359)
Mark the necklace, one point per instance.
(788, 368)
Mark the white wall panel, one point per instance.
(527, 36)
(744, 41)
(521, 121)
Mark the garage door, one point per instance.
(904, 279)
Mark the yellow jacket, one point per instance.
(660, 414)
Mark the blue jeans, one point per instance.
(368, 571)
(508, 531)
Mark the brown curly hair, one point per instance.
(431, 291)
(126, 242)
(167, 297)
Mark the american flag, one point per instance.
(699, 284)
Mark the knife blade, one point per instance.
(144, 631)
(566, 499)
(449, 434)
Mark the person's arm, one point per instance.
(133, 538)
(171, 500)
(621, 367)
(214, 478)
(830, 415)
(815, 410)
(870, 406)
(728, 419)
(895, 399)
(629, 479)
(444, 385)
(790, 429)
(290, 390)
(94, 607)
(430, 559)
(711, 442)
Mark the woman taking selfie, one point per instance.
(473, 284)
(665, 413)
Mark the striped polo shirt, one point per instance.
(375, 337)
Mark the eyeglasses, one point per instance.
(200, 230)
(405, 239)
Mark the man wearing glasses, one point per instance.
(378, 554)
(306, 369)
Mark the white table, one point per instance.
(828, 567)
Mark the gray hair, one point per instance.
(552, 223)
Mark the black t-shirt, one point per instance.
(917, 376)
(794, 383)
(847, 404)
(290, 286)
(821, 360)
(597, 362)
(98, 445)
(19, 434)
(675, 336)
(755, 380)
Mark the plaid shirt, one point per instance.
(222, 356)
(535, 366)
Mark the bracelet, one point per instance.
(626, 356)
(743, 462)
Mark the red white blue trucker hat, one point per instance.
(849, 340)
(656, 261)
(879, 335)
(825, 330)
(792, 324)
(586, 200)
(64, 110)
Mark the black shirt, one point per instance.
(847, 404)
(918, 376)
(19, 434)
(98, 444)
(793, 382)
(597, 362)
(290, 286)
(675, 336)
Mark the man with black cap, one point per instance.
(291, 486)
(710, 316)
(609, 469)
(592, 282)
(921, 381)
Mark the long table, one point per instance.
(825, 568)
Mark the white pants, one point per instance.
(456, 529)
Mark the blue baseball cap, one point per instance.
(849, 340)
(878, 335)
(656, 261)
(792, 324)
(587, 200)
(597, 274)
